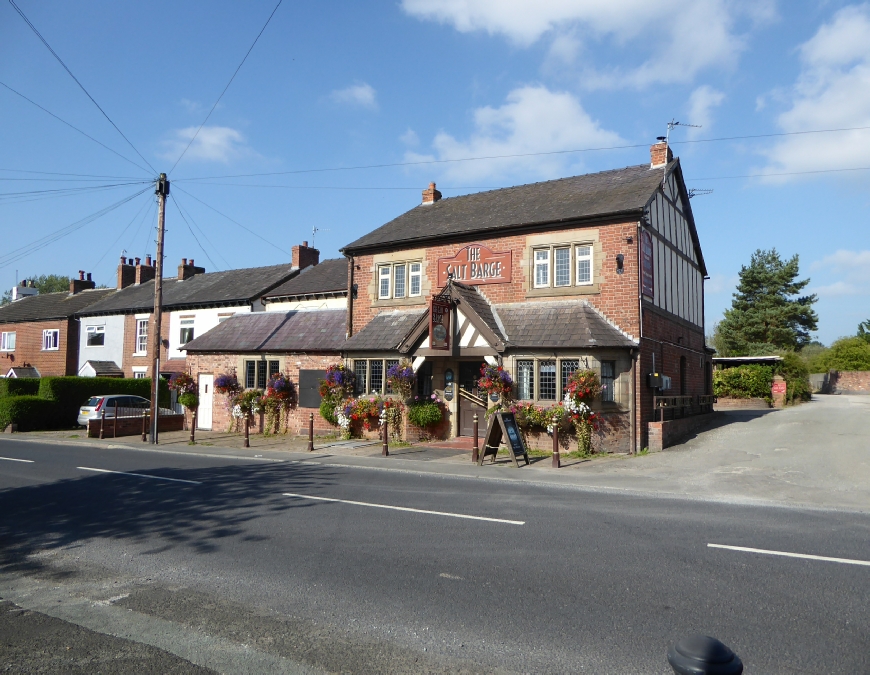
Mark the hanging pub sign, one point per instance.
(647, 279)
(474, 265)
(439, 324)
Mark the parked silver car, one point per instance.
(127, 406)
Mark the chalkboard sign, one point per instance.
(503, 425)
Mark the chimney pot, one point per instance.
(184, 261)
(660, 154)
(137, 260)
(89, 277)
(191, 262)
(431, 195)
(148, 260)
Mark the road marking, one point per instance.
(806, 556)
(140, 475)
(12, 459)
(405, 508)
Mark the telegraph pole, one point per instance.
(162, 191)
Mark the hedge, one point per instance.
(71, 393)
(750, 381)
(23, 386)
(30, 413)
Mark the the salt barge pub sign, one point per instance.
(474, 265)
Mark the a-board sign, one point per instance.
(503, 428)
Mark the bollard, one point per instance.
(247, 432)
(386, 450)
(703, 655)
(310, 432)
(475, 451)
(557, 460)
(192, 425)
(115, 421)
(144, 422)
(102, 422)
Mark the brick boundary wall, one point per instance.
(672, 432)
(741, 404)
(850, 382)
(132, 426)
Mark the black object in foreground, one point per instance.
(703, 655)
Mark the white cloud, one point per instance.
(850, 268)
(831, 92)
(533, 119)
(701, 104)
(361, 95)
(410, 138)
(678, 38)
(190, 106)
(212, 144)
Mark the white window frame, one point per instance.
(415, 273)
(184, 324)
(578, 258)
(50, 340)
(541, 261)
(89, 330)
(412, 273)
(141, 336)
(140, 372)
(385, 294)
(7, 341)
(544, 259)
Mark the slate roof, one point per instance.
(385, 331)
(233, 287)
(565, 324)
(23, 371)
(105, 368)
(330, 276)
(51, 305)
(275, 332)
(567, 199)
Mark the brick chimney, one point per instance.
(126, 273)
(304, 256)
(81, 284)
(146, 272)
(187, 270)
(660, 154)
(431, 195)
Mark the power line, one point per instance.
(342, 187)
(115, 152)
(784, 173)
(25, 199)
(204, 236)
(225, 88)
(517, 155)
(81, 86)
(114, 243)
(52, 237)
(56, 173)
(247, 229)
(70, 189)
(193, 234)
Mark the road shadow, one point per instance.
(69, 512)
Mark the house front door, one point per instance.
(470, 402)
(206, 397)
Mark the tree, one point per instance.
(864, 330)
(44, 283)
(765, 315)
(850, 353)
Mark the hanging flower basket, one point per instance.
(495, 380)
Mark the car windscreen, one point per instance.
(93, 401)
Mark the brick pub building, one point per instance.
(602, 271)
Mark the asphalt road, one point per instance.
(228, 572)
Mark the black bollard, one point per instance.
(144, 433)
(703, 655)
(475, 451)
(310, 432)
(386, 449)
(557, 458)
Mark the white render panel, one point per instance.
(307, 305)
(113, 344)
(203, 321)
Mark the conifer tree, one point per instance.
(767, 313)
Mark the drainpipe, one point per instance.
(636, 409)
(632, 397)
(350, 266)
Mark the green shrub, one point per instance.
(71, 393)
(749, 381)
(327, 410)
(846, 354)
(24, 386)
(424, 414)
(30, 413)
(797, 377)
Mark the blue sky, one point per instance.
(336, 85)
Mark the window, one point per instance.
(542, 268)
(7, 342)
(562, 267)
(371, 376)
(186, 333)
(547, 380)
(140, 373)
(223, 317)
(141, 336)
(564, 274)
(584, 265)
(424, 379)
(608, 378)
(360, 370)
(96, 336)
(416, 279)
(525, 380)
(257, 373)
(51, 339)
(393, 280)
(389, 363)
(376, 377)
(569, 366)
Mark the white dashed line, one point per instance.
(140, 475)
(12, 459)
(805, 556)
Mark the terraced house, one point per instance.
(601, 271)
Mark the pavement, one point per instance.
(815, 455)
(251, 565)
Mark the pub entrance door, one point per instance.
(470, 401)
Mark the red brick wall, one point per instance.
(130, 343)
(290, 365)
(851, 382)
(29, 352)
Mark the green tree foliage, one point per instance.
(851, 353)
(765, 314)
(749, 381)
(797, 377)
(44, 283)
(864, 330)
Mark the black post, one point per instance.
(703, 655)
(247, 432)
(310, 432)
(193, 425)
(102, 422)
(115, 423)
(475, 451)
(144, 434)
(386, 450)
(557, 460)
